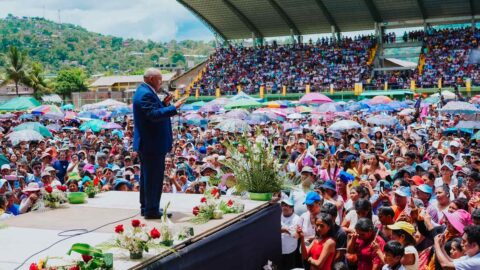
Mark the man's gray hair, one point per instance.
(150, 72)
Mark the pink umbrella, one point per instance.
(380, 100)
(315, 98)
(69, 115)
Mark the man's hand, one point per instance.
(167, 100)
(180, 102)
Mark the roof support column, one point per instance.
(473, 24)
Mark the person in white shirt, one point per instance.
(298, 194)
(289, 221)
(471, 246)
(313, 201)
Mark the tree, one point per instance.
(177, 57)
(15, 67)
(69, 81)
(37, 81)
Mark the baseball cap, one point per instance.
(448, 165)
(307, 169)
(288, 201)
(386, 185)
(329, 185)
(454, 144)
(418, 180)
(404, 226)
(363, 140)
(312, 197)
(403, 191)
(425, 188)
(345, 177)
(302, 141)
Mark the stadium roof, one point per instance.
(238, 19)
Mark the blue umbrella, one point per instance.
(381, 108)
(120, 111)
(68, 107)
(476, 136)
(451, 131)
(381, 119)
(27, 116)
(398, 105)
(257, 118)
(89, 115)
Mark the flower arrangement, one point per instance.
(91, 188)
(53, 197)
(212, 207)
(137, 239)
(91, 259)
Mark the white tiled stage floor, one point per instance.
(29, 233)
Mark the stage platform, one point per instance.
(27, 234)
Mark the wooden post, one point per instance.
(197, 93)
(412, 85)
(217, 93)
(331, 89)
(284, 90)
(385, 86)
(262, 91)
(307, 89)
(439, 83)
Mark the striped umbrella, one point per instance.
(44, 109)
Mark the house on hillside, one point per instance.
(9, 90)
(124, 83)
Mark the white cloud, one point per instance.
(157, 20)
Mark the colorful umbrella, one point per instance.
(380, 100)
(25, 135)
(70, 115)
(303, 109)
(278, 104)
(315, 98)
(233, 125)
(237, 114)
(120, 111)
(460, 107)
(468, 124)
(68, 107)
(476, 136)
(87, 115)
(398, 105)
(381, 108)
(112, 125)
(210, 107)
(475, 99)
(294, 116)
(43, 109)
(406, 112)
(381, 119)
(95, 125)
(344, 125)
(256, 119)
(43, 130)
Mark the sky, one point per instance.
(157, 20)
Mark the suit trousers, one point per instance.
(152, 168)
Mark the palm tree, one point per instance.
(15, 67)
(36, 80)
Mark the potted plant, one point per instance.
(255, 167)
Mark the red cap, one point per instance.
(418, 180)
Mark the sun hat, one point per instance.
(5, 167)
(307, 169)
(458, 219)
(207, 166)
(44, 174)
(425, 188)
(312, 197)
(329, 185)
(404, 226)
(32, 187)
(50, 169)
(403, 191)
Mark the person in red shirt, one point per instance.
(359, 248)
(321, 252)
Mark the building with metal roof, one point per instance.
(240, 19)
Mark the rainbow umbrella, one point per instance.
(278, 104)
(315, 98)
(44, 109)
(380, 100)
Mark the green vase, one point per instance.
(260, 196)
(136, 255)
(91, 195)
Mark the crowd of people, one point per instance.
(404, 196)
(449, 54)
(338, 62)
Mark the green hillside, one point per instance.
(59, 46)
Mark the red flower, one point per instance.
(74, 268)
(86, 258)
(33, 266)
(196, 209)
(48, 189)
(229, 203)
(135, 223)
(154, 233)
(96, 181)
(203, 200)
(62, 188)
(215, 193)
(119, 228)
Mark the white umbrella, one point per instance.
(460, 107)
(344, 125)
(233, 125)
(295, 116)
(407, 111)
(381, 119)
(468, 124)
(25, 135)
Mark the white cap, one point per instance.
(454, 144)
(5, 167)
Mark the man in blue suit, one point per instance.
(152, 139)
